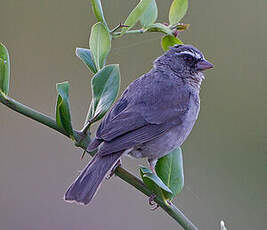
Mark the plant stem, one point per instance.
(171, 209)
(83, 141)
(87, 125)
(31, 113)
(118, 27)
(115, 34)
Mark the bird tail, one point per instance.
(85, 186)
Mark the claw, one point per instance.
(151, 202)
(151, 199)
(112, 172)
(82, 156)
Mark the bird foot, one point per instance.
(112, 171)
(151, 202)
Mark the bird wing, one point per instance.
(136, 137)
(147, 108)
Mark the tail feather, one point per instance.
(85, 186)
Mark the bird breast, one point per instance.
(171, 139)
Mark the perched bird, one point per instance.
(154, 115)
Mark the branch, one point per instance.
(31, 113)
(118, 27)
(141, 31)
(82, 140)
(171, 209)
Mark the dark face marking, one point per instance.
(185, 60)
(189, 57)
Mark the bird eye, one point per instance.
(188, 58)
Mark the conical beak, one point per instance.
(203, 65)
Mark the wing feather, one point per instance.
(136, 137)
(149, 107)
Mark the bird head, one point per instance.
(186, 61)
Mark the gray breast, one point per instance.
(171, 139)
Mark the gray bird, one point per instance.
(154, 115)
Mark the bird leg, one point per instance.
(152, 164)
(112, 171)
(151, 202)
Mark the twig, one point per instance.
(116, 34)
(31, 113)
(88, 124)
(83, 142)
(118, 27)
(171, 209)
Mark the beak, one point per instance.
(203, 65)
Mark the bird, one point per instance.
(154, 115)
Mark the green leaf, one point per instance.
(100, 44)
(134, 16)
(4, 69)
(170, 170)
(177, 11)
(159, 27)
(105, 87)
(150, 15)
(98, 11)
(63, 117)
(154, 183)
(168, 41)
(86, 57)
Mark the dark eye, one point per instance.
(188, 58)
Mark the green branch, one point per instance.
(141, 31)
(171, 209)
(82, 141)
(31, 113)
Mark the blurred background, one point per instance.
(224, 157)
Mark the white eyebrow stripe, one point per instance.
(196, 55)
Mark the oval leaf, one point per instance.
(105, 87)
(134, 16)
(98, 11)
(159, 27)
(168, 41)
(100, 44)
(4, 69)
(170, 170)
(86, 57)
(177, 11)
(63, 117)
(150, 15)
(154, 183)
